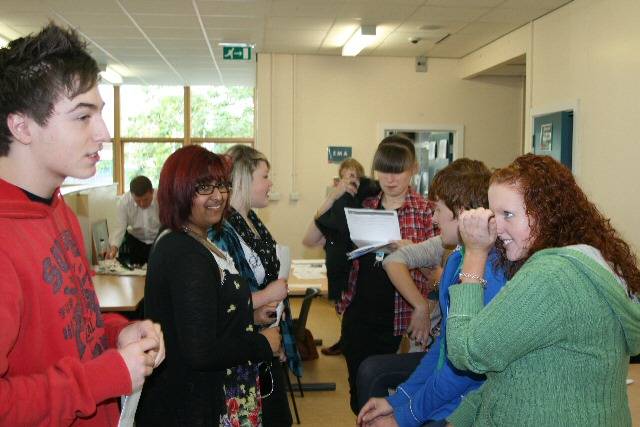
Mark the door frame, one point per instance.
(557, 108)
(457, 130)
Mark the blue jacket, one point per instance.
(434, 390)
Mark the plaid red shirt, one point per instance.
(415, 218)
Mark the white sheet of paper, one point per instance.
(129, 406)
(279, 311)
(284, 256)
(113, 267)
(306, 269)
(371, 229)
(364, 250)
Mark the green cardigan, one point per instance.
(554, 344)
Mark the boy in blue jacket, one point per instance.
(435, 388)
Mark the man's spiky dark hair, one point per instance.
(36, 70)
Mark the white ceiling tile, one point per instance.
(299, 23)
(233, 22)
(162, 43)
(398, 45)
(340, 33)
(486, 29)
(125, 55)
(25, 19)
(295, 36)
(194, 62)
(395, 2)
(233, 8)
(123, 43)
(415, 29)
(23, 30)
(177, 7)
(85, 6)
(456, 46)
(453, 51)
(456, 14)
(382, 33)
(99, 19)
(535, 4)
(167, 21)
(376, 12)
(292, 8)
(464, 3)
(141, 63)
(286, 48)
(111, 33)
(235, 33)
(173, 33)
(19, 6)
(281, 26)
(190, 50)
(514, 16)
(237, 66)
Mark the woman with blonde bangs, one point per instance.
(253, 250)
(555, 342)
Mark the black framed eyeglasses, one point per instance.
(207, 189)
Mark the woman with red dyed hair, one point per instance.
(555, 342)
(210, 375)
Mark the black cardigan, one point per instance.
(333, 226)
(184, 294)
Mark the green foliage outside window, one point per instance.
(222, 112)
(216, 112)
(146, 158)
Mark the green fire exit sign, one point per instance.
(236, 53)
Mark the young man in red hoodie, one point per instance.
(61, 361)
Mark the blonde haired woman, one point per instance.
(253, 250)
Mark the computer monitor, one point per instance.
(100, 240)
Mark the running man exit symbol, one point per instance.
(236, 53)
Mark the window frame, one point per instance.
(118, 140)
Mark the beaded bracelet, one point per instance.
(472, 276)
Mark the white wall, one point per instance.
(596, 66)
(585, 55)
(306, 103)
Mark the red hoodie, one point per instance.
(58, 363)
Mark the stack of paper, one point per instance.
(371, 229)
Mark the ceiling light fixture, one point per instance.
(251, 45)
(362, 38)
(110, 75)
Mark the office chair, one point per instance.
(299, 325)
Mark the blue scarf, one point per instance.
(228, 241)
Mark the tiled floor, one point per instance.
(331, 408)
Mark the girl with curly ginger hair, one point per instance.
(555, 342)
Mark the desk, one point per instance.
(118, 293)
(298, 285)
(311, 274)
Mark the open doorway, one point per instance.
(436, 147)
(553, 136)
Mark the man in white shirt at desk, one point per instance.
(137, 224)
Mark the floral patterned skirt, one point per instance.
(242, 397)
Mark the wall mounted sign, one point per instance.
(338, 154)
(236, 53)
(546, 137)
